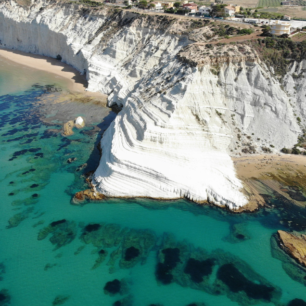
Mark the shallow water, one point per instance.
(37, 184)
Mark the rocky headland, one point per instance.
(187, 104)
(294, 245)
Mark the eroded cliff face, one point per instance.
(185, 107)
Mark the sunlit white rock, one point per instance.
(79, 122)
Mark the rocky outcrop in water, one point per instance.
(294, 245)
(185, 106)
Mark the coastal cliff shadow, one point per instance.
(94, 158)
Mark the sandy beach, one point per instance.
(76, 82)
(276, 172)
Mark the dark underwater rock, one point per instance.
(163, 269)
(238, 233)
(60, 300)
(5, 298)
(71, 160)
(92, 227)
(112, 287)
(198, 269)
(127, 301)
(237, 282)
(131, 253)
(297, 302)
(136, 244)
(55, 223)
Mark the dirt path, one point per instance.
(237, 24)
(241, 38)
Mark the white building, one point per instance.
(229, 10)
(280, 28)
(158, 5)
(205, 10)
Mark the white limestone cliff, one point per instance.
(184, 107)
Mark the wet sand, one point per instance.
(76, 82)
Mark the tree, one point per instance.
(182, 11)
(152, 5)
(177, 4)
(143, 4)
(218, 10)
(266, 30)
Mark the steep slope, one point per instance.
(185, 106)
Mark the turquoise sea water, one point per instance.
(161, 253)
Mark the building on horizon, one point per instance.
(205, 10)
(192, 7)
(229, 10)
(280, 28)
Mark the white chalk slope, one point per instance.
(170, 144)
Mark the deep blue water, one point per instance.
(121, 252)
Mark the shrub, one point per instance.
(296, 151)
(245, 31)
(58, 57)
(285, 150)
(266, 150)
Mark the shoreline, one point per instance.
(76, 82)
(265, 168)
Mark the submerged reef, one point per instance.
(192, 267)
(216, 272)
(238, 233)
(62, 232)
